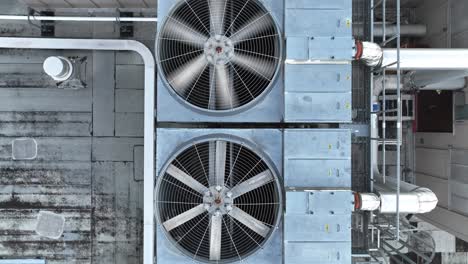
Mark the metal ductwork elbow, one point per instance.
(370, 53)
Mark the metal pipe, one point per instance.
(423, 79)
(399, 117)
(427, 59)
(371, 87)
(413, 30)
(79, 18)
(149, 62)
(414, 199)
(390, 84)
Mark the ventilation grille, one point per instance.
(219, 55)
(218, 201)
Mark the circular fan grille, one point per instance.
(219, 55)
(218, 201)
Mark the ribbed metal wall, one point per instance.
(90, 3)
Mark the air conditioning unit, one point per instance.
(220, 61)
(219, 196)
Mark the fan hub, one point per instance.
(218, 200)
(219, 50)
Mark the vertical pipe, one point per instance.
(399, 128)
(384, 20)
(384, 127)
(371, 95)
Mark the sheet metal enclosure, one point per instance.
(317, 158)
(267, 141)
(268, 108)
(319, 51)
(317, 222)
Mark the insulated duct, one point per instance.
(391, 84)
(411, 30)
(425, 59)
(412, 59)
(413, 199)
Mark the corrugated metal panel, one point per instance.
(22, 261)
(90, 3)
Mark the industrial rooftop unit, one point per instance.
(233, 131)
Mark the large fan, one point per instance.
(218, 201)
(219, 55)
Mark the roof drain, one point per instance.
(149, 62)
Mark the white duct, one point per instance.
(391, 84)
(79, 18)
(411, 30)
(150, 69)
(367, 201)
(426, 59)
(413, 199)
(370, 53)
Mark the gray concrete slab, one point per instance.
(129, 124)
(129, 101)
(130, 76)
(103, 93)
(43, 124)
(114, 149)
(45, 99)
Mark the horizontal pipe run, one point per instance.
(426, 59)
(391, 84)
(411, 30)
(426, 79)
(78, 18)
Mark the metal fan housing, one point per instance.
(219, 51)
(267, 145)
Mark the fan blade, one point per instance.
(184, 217)
(224, 92)
(220, 163)
(186, 179)
(253, 28)
(182, 78)
(251, 184)
(249, 221)
(217, 8)
(215, 237)
(179, 31)
(256, 65)
(212, 98)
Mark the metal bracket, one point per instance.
(127, 27)
(47, 27)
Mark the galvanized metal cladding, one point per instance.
(219, 55)
(218, 200)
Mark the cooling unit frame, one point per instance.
(266, 143)
(268, 107)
